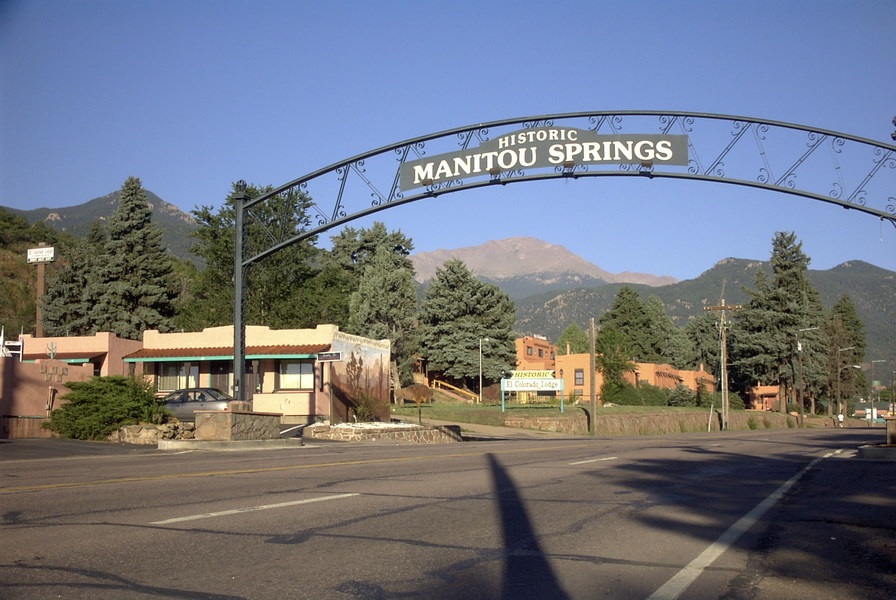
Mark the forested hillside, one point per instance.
(872, 290)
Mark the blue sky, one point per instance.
(191, 95)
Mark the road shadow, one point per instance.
(527, 573)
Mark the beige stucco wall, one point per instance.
(222, 337)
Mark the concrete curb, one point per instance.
(230, 445)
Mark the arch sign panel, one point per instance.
(544, 147)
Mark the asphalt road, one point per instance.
(772, 514)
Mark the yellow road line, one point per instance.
(52, 486)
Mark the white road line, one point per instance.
(582, 462)
(679, 582)
(235, 511)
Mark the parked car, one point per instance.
(183, 403)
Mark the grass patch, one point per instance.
(490, 414)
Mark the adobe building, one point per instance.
(535, 353)
(29, 391)
(105, 351)
(576, 374)
(763, 397)
(33, 381)
(307, 375)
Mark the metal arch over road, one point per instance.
(828, 166)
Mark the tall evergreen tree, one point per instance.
(458, 311)
(573, 339)
(704, 342)
(846, 346)
(672, 345)
(74, 289)
(138, 289)
(385, 307)
(766, 333)
(630, 316)
(354, 248)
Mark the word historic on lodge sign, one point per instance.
(541, 147)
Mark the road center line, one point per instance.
(591, 460)
(236, 511)
(679, 582)
(345, 463)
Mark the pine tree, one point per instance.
(672, 345)
(630, 316)
(575, 339)
(136, 277)
(353, 249)
(704, 342)
(766, 335)
(385, 307)
(458, 311)
(75, 289)
(846, 346)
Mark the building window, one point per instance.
(579, 377)
(528, 350)
(172, 376)
(295, 374)
(541, 353)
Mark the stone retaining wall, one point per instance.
(414, 434)
(230, 425)
(633, 424)
(151, 434)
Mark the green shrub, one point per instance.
(752, 423)
(790, 423)
(621, 393)
(96, 408)
(652, 395)
(735, 402)
(682, 396)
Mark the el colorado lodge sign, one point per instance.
(558, 147)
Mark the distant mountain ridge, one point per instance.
(871, 289)
(523, 266)
(175, 224)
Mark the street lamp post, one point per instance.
(870, 414)
(840, 407)
(480, 367)
(839, 369)
(892, 394)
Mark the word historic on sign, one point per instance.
(545, 147)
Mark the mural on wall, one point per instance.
(360, 381)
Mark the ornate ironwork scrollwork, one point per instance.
(538, 123)
(613, 121)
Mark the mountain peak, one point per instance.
(526, 257)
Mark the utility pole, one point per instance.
(593, 389)
(40, 256)
(723, 354)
